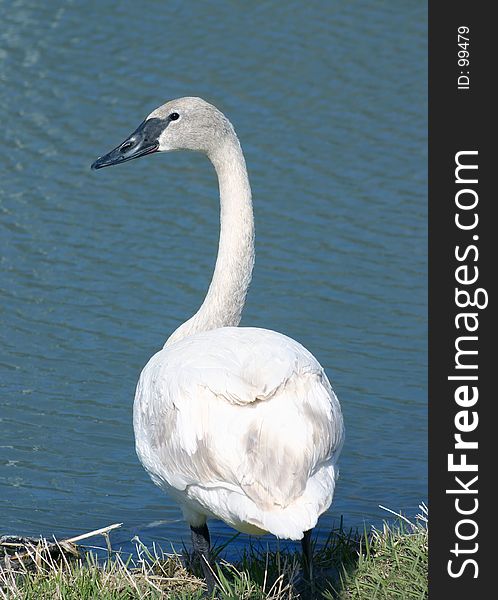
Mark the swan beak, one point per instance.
(144, 140)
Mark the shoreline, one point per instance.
(351, 565)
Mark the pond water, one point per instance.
(97, 269)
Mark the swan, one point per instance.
(235, 423)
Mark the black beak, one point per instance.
(144, 140)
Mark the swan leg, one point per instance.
(308, 557)
(202, 542)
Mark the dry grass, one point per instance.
(381, 565)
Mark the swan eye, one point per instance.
(174, 116)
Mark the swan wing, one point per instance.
(241, 409)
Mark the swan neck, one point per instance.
(225, 298)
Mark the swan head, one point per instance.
(182, 124)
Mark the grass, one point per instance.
(382, 564)
(391, 564)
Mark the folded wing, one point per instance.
(244, 410)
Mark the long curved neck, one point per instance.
(226, 295)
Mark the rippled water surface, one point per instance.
(96, 269)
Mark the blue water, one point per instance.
(97, 269)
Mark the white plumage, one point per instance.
(240, 424)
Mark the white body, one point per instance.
(239, 424)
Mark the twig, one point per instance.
(102, 531)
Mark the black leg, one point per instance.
(201, 543)
(308, 557)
